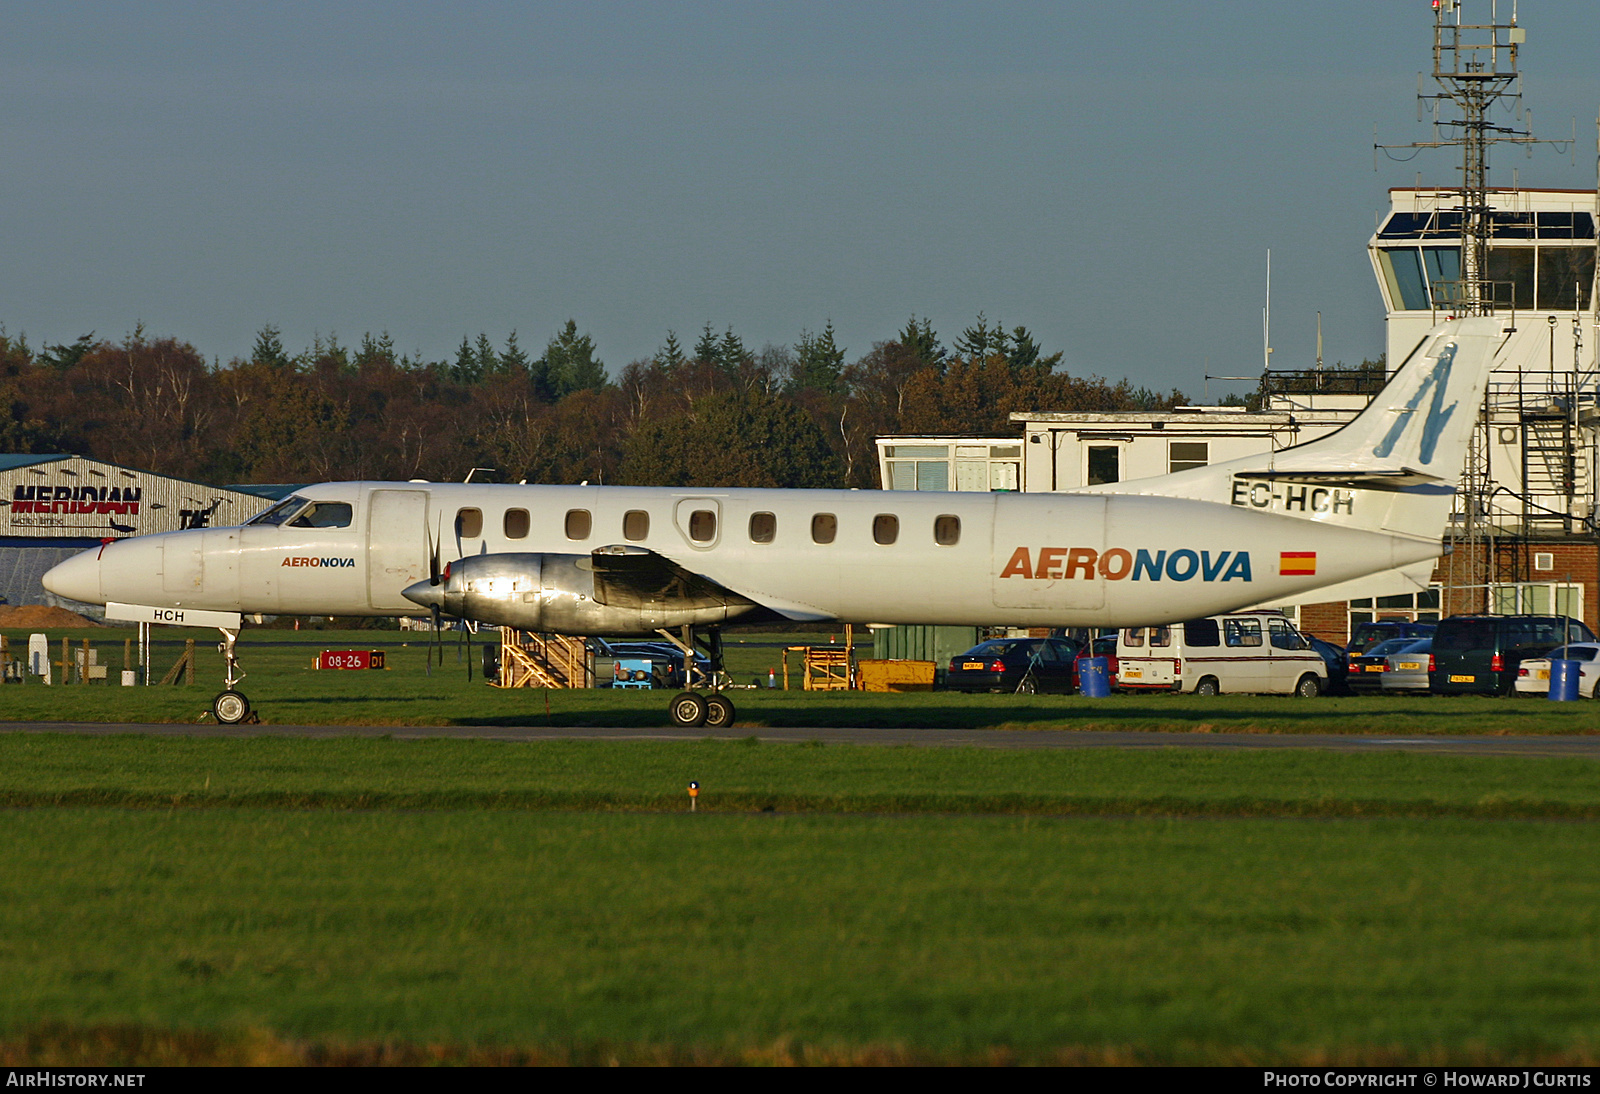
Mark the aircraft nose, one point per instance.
(426, 594)
(78, 578)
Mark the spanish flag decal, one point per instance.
(1297, 563)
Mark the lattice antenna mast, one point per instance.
(1475, 69)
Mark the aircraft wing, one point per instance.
(638, 578)
(634, 577)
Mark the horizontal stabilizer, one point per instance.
(1365, 480)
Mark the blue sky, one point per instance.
(1110, 175)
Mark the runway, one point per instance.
(1585, 746)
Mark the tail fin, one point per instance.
(1392, 468)
(1417, 428)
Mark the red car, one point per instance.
(1104, 646)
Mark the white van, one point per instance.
(1241, 652)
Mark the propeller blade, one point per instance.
(433, 558)
(436, 645)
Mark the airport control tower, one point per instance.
(1478, 247)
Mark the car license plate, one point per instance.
(1374, 668)
(1133, 674)
(1463, 679)
(1411, 666)
(1544, 674)
(971, 665)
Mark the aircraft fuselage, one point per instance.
(863, 556)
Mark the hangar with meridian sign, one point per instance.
(53, 506)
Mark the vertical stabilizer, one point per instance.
(1393, 468)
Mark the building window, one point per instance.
(1186, 455)
(635, 524)
(516, 523)
(763, 527)
(1537, 598)
(469, 523)
(972, 466)
(885, 529)
(824, 527)
(1406, 607)
(578, 523)
(1105, 464)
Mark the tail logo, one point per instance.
(1438, 379)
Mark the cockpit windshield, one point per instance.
(281, 512)
(324, 514)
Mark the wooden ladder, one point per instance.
(529, 660)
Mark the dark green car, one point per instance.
(1480, 653)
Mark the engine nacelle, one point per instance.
(562, 594)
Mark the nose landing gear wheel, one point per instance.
(688, 710)
(230, 707)
(719, 711)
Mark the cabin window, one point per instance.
(947, 530)
(324, 514)
(763, 527)
(578, 523)
(824, 527)
(1202, 632)
(635, 524)
(516, 524)
(469, 523)
(1160, 637)
(885, 529)
(703, 525)
(1133, 636)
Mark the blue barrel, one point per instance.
(1094, 677)
(1564, 677)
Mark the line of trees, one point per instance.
(714, 414)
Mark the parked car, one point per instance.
(1333, 659)
(1533, 675)
(1242, 652)
(1481, 653)
(1407, 667)
(1015, 664)
(1367, 669)
(1370, 634)
(666, 661)
(1104, 646)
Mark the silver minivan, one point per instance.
(1258, 652)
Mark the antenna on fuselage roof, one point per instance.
(475, 470)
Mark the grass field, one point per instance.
(377, 900)
(371, 900)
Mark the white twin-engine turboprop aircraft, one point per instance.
(584, 560)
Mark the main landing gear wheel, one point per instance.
(230, 707)
(719, 711)
(689, 710)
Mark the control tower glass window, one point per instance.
(1402, 274)
(1566, 275)
(1513, 265)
